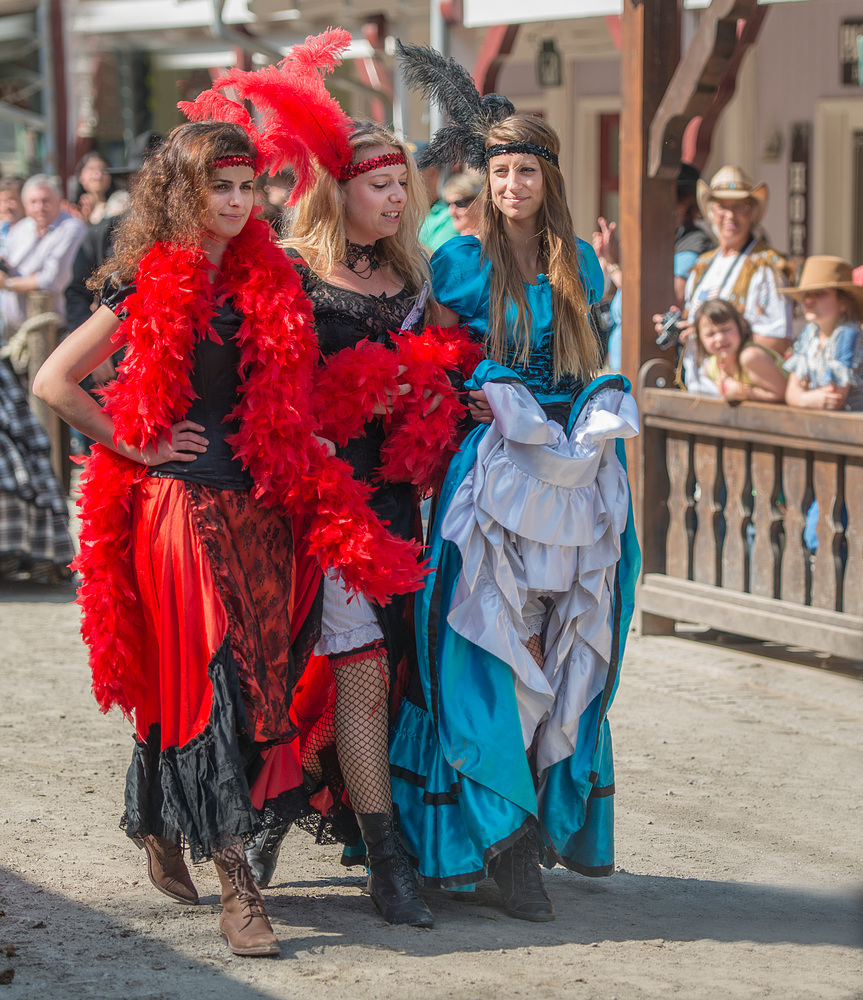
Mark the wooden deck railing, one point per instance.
(721, 513)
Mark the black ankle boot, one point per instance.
(263, 853)
(393, 882)
(517, 873)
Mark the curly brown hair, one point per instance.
(169, 199)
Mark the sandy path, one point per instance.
(739, 786)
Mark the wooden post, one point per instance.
(40, 343)
(651, 48)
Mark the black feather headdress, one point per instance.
(449, 86)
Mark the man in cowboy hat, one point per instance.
(742, 269)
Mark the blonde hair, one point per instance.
(576, 350)
(467, 184)
(318, 224)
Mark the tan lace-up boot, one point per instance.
(167, 870)
(244, 923)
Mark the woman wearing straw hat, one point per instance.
(743, 269)
(827, 364)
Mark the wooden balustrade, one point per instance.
(722, 511)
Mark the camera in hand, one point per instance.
(669, 335)
(4, 267)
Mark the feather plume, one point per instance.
(214, 106)
(301, 125)
(211, 105)
(321, 52)
(299, 118)
(449, 86)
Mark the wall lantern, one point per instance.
(549, 65)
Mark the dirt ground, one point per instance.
(739, 781)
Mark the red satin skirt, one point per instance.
(214, 573)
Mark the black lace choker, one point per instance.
(356, 252)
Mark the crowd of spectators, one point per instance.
(732, 321)
(51, 241)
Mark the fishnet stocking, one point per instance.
(321, 735)
(358, 725)
(362, 727)
(534, 647)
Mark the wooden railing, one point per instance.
(721, 511)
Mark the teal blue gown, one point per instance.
(463, 784)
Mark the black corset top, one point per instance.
(215, 381)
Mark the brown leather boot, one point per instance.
(243, 923)
(167, 869)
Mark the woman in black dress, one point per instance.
(362, 267)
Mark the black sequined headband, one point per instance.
(522, 147)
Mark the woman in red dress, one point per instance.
(205, 450)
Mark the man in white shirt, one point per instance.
(39, 251)
(742, 270)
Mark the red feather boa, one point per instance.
(168, 312)
(419, 443)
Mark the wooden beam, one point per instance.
(695, 82)
(651, 47)
(63, 168)
(699, 132)
(498, 42)
(749, 614)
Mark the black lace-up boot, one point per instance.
(263, 853)
(393, 882)
(517, 873)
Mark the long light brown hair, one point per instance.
(318, 221)
(169, 199)
(576, 350)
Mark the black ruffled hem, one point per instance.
(286, 809)
(339, 826)
(199, 793)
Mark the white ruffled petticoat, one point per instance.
(539, 517)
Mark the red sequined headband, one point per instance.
(239, 160)
(364, 166)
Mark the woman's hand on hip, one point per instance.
(183, 444)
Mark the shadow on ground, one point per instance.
(769, 649)
(626, 907)
(62, 949)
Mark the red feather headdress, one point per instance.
(301, 124)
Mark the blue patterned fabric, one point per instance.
(838, 362)
(461, 779)
(461, 279)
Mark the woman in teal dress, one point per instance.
(501, 753)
